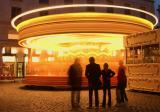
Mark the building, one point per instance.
(94, 22)
(157, 8)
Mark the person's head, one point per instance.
(121, 63)
(105, 66)
(91, 60)
(77, 61)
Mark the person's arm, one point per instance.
(69, 75)
(86, 72)
(99, 71)
(112, 73)
(69, 71)
(81, 70)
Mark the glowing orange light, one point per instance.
(51, 59)
(35, 59)
(14, 50)
(75, 41)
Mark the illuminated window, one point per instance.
(13, 50)
(13, 36)
(9, 59)
(43, 13)
(114, 53)
(51, 59)
(43, 1)
(37, 51)
(60, 53)
(50, 52)
(15, 11)
(123, 54)
(25, 51)
(3, 50)
(35, 59)
(26, 59)
(68, 1)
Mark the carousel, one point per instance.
(56, 39)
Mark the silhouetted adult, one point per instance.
(122, 83)
(75, 77)
(106, 76)
(93, 73)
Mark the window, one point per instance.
(37, 51)
(43, 1)
(90, 1)
(43, 13)
(90, 9)
(143, 15)
(109, 9)
(3, 50)
(68, 1)
(7, 50)
(18, 0)
(9, 59)
(50, 59)
(35, 59)
(14, 50)
(126, 11)
(15, 11)
(109, 1)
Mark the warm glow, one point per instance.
(13, 36)
(51, 59)
(75, 41)
(3, 50)
(59, 38)
(13, 50)
(9, 59)
(25, 51)
(37, 51)
(81, 5)
(26, 59)
(49, 52)
(35, 59)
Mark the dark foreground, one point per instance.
(14, 97)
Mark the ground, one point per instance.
(14, 97)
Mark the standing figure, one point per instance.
(93, 73)
(74, 80)
(106, 76)
(122, 83)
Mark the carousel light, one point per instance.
(81, 5)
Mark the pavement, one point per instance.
(15, 97)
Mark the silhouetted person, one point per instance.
(122, 83)
(75, 77)
(106, 76)
(93, 73)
